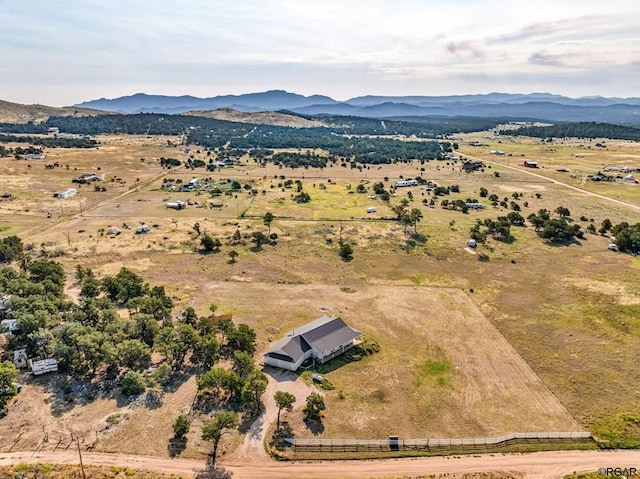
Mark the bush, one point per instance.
(181, 425)
(133, 383)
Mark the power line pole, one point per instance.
(80, 456)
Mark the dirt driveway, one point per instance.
(279, 380)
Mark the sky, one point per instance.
(62, 52)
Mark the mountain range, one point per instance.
(541, 106)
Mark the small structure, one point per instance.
(86, 178)
(142, 229)
(530, 164)
(113, 231)
(33, 156)
(472, 165)
(372, 209)
(8, 326)
(472, 243)
(474, 206)
(497, 152)
(403, 183)
(65, 194)
(20, 358)
(53, 130)
(177, 205)
(43, 366)
(322, 339)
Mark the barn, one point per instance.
(322, 339)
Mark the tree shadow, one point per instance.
(316, 427)
(279, 436)
(214, 472)
(176, 446)
(249, 418)
(256, 249)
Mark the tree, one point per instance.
(562, 211)
(134, 354)
(416, 215)
(8, 381)
(255, 384)
(313, 408)
(346, 251)
(181, 425)
(233, 254)
(162, 374)
(483, 192)
(284, 400)
(210, 244)
(213, 430)
(243, 363)
(259, 238)
(10, 249)
(133, 383)
(242, 338)
(267, 219)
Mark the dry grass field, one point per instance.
(541, 336)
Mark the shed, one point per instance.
(530, 164)
(372, 209)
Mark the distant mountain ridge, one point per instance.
(542, 106)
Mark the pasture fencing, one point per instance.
(395, 445)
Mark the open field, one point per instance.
(547, 339)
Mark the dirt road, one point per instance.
(560, 183)
(541, 465)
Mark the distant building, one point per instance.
(65, 194)
(402, 183)
(530, 164)
(33, 156)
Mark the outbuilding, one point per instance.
(530, 164)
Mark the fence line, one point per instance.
(393, 444)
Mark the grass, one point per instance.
(568, 311)
(59, 471)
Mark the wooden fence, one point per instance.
(436, 445)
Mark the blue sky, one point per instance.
(63, 52)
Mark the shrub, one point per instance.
(133, 383)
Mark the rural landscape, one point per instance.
(159, 269)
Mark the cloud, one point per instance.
(465, 48)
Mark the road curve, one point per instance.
(539, 465)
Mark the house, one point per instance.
(372, 209)
(406, 183)
(530, 164)
(322, 339)
(53, 130)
